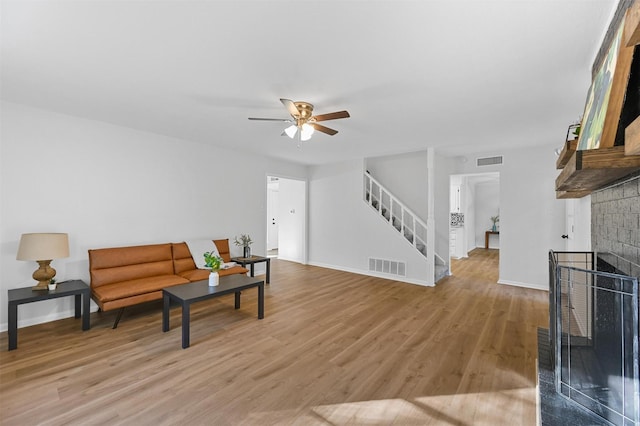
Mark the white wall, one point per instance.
(292, 212)
(532, 220)
(443, 168)
(344, 231)
(487, 204)
(405, 175)
(112, 186)
(468, 195)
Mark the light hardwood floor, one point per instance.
(334, 348)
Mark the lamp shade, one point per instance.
(43, 246)
(306, 132)
(291, 131)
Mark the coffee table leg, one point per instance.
(261, 301)
(165, 312)
(186, 309)
(237, 304)
(252, 269)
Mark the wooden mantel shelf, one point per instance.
(567, 151)
(593, 169)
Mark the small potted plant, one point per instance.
(52, 284)
(495, 219)
(213, 262)
(245, 242)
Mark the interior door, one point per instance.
(569, 235)
(272, 218)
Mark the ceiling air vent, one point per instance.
(489, 161)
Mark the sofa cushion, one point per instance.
(108, 292)
(223, 249)
(183, 261)
(184, 265)
(118, 264)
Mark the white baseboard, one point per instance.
(70, 313)
(543, 287)
(373, 274)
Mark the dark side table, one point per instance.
(252, 261)
(19, 296)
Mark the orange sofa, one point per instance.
(126, 276)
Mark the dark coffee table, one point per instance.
(186, 294)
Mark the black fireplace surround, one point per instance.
(593, 335)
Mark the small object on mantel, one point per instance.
(593, 169)
(632, 137)
(567, 151)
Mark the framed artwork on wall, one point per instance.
(606, 96)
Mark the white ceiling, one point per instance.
(461, 76)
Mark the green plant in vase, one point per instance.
(245, 242)
(495, 220)
(212, 261)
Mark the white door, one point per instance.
(292, 220)
(569, 235)
(578, 224)
(272, 218)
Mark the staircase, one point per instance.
(413, 229)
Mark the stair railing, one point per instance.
(396, 213)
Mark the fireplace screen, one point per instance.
(596, 341)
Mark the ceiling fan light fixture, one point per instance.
(291, 131)
(306, 132)
(305, 123)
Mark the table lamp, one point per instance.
(43, 248)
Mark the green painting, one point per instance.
(595, 109)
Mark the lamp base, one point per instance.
(43, 275)
(42, 286)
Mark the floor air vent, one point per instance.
(388, 267)
(489, 161)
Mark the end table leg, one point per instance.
(186, 309)
(78, 305)
(252, 269)
(268, 270)
(165, 312)
(13, 326)
(261, 301)
(237, 304)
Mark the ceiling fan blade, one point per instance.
(323, 129)
(332, 116)
(291, 107)
(272, 119)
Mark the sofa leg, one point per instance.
(115, 324)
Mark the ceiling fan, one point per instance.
(304, 122)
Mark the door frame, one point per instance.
(304, 237)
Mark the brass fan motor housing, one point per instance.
(305, 109)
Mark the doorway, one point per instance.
(473, 205)
(286, 218)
